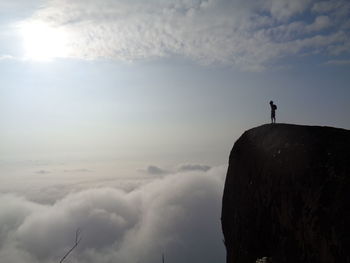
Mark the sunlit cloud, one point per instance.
(246, 34)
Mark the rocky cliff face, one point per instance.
(287, 195)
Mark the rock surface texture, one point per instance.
(287, 195)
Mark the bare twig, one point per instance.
(77, 241)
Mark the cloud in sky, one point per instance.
(338, 62)
(155, 170)
(194, 167)
(6, 57)
(80, 170)
(245, 34)
(43, 172)
(178, 214)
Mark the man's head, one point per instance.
(271, 102)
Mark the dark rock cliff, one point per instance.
(287, 195)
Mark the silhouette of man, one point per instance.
(273, 112)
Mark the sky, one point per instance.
(118, 116)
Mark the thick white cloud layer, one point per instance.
(245, 34)
(178, 215)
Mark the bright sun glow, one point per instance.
(43, 42)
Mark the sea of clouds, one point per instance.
(175, 213)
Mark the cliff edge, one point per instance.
(287, 195)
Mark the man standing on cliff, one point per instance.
(273, 112)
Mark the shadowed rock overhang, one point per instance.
(287, 195)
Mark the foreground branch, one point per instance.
(77, 241)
